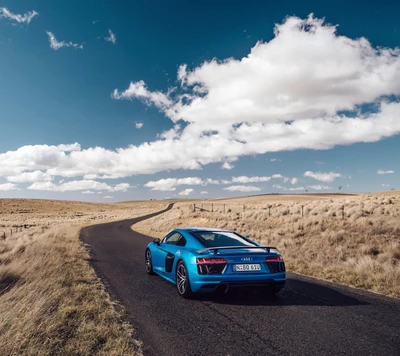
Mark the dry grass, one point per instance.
(51, 302)
(362, 250)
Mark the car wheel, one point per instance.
(182, 280)
(148, 262)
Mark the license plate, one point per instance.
(247, 267)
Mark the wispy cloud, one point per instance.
(8, 186)
(139, 125)
(245, 179)
(242, 188)
(275, 160)
(291, 189)
(56, 45)
(203, 192)
(25, 18)
(319, 187)
(111, 38)
(108, 197)
(77, 185)
(385, 172)
(323, 176)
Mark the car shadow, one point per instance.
(296, 292)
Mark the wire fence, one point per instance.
(12, 230)
(335, 211)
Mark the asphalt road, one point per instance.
(309, 317)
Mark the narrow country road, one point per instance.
(309, 317)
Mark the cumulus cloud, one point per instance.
(385, 172)
(88, 192)
(25, 18)
(242, 188)
(203, 192)
(30, 177)
(108, 197)
(292, 92)
(77, 185)
(294, 180)
(227, 165)
(111, 38)
(139, 125)
(8, 186)
(275, 160)
(385, 185)
(186, 192)
(170, 184)
(245, 179)
(323, 176)
(56, 45)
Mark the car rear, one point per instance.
(229, 268)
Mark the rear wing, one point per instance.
(216, 249)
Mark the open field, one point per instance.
(51, 302)
(354, 240)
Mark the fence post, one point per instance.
(212, 207)
(4, 235)
(342, 212)
(194, 207)
(269, 211)
(224, 208)
(244, 208)
(302, 214)
(11, 232)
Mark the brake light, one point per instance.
(274, 259)
(204, 261)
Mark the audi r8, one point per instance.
(200, 260)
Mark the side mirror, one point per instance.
(157, 242)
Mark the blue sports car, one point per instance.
(206, 260)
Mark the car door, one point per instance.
(163, 256)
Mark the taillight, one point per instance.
(274, 259)
(210, 265)
(275, 264)
(202, 261)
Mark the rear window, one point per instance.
(221, 238)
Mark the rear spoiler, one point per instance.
(215, 249)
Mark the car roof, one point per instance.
(194, 229)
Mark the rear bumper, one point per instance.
(212, 285)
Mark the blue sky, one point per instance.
(115, 101)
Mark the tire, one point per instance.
(182, 281)
(148, 263)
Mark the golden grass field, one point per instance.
(361, 250)
(51, 302)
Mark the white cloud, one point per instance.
(280, 176)
(323, 176)
(319, 163)
(56, 45)
(170, 184)
(385, 185)
(245, 179)
(294, 180)
(319, 187)
(385, 172)
(277, 186)
(8, 186)
(108, 197)
(139, 125)
(138, 90)
(242, 188)
(25, 18)
(78, 185)
(88, 192)
(275, 160)
(186, 192)
(203, 192)
(286, 94)
(30, 177)
(111, 38)
(227, 166)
